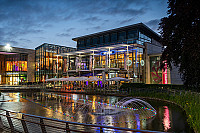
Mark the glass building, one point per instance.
(132, 34)
(17, 65)
(48, 63)
(123, 52)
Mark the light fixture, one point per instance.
(8, 46)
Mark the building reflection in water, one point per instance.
(166, 119)
(137, 118)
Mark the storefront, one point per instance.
(16, 65)
(123, 60)
(125, 52)
(48, 63)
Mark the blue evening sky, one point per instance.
(30, 23)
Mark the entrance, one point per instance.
(12, 79)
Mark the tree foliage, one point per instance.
(180, 33)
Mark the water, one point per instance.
(86, 109)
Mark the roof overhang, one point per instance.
(102, 49)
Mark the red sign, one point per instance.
(164, 73)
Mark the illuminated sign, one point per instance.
(107, 52)
(129, 63)
(165, 78)
(11, 73)
(142, 62)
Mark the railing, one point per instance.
(7, 88)
(21, 122)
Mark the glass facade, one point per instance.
(48, 63)
(118, 52)
(15, 68)
(119, 62)
(126, 36)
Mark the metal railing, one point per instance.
(26, 123)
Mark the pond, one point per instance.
(96, 109)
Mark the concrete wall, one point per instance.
(31, 67)
(154, 48)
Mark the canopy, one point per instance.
(53, 79)
(71, 79)
(94, 79)
(118, 79)
(62, 79)
(81, 78)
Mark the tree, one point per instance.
(180, 33)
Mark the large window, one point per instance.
(122, 36)
(88, 41)
(133, 34)
(101, 40)
(16, 66)
(113, 37)
(95, 40)
(48, 64)
(107, 38)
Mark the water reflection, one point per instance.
(166, 119)
(77, 108)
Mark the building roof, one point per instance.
(15, 50)
(120, 47)
(129, 27)
(54, 45)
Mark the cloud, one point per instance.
(89, 19)
(153, 24)
(94, 28)
(70, 29)
(25, 40)
(64, 35)
(125, 11)
(127, 21)
(24, 19)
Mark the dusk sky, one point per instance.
(30, 23)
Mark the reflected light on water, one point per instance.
(93, 103)
(74, 97)
(166, 119)
(137, 121)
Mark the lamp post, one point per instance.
(93, 68)
(127, 62)
(57, 67)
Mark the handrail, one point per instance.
(56, 121)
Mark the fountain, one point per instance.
(95, 112)
(127, 106)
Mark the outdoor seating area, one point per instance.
(82, 84)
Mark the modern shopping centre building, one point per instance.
(131, 52)
(17, 65)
